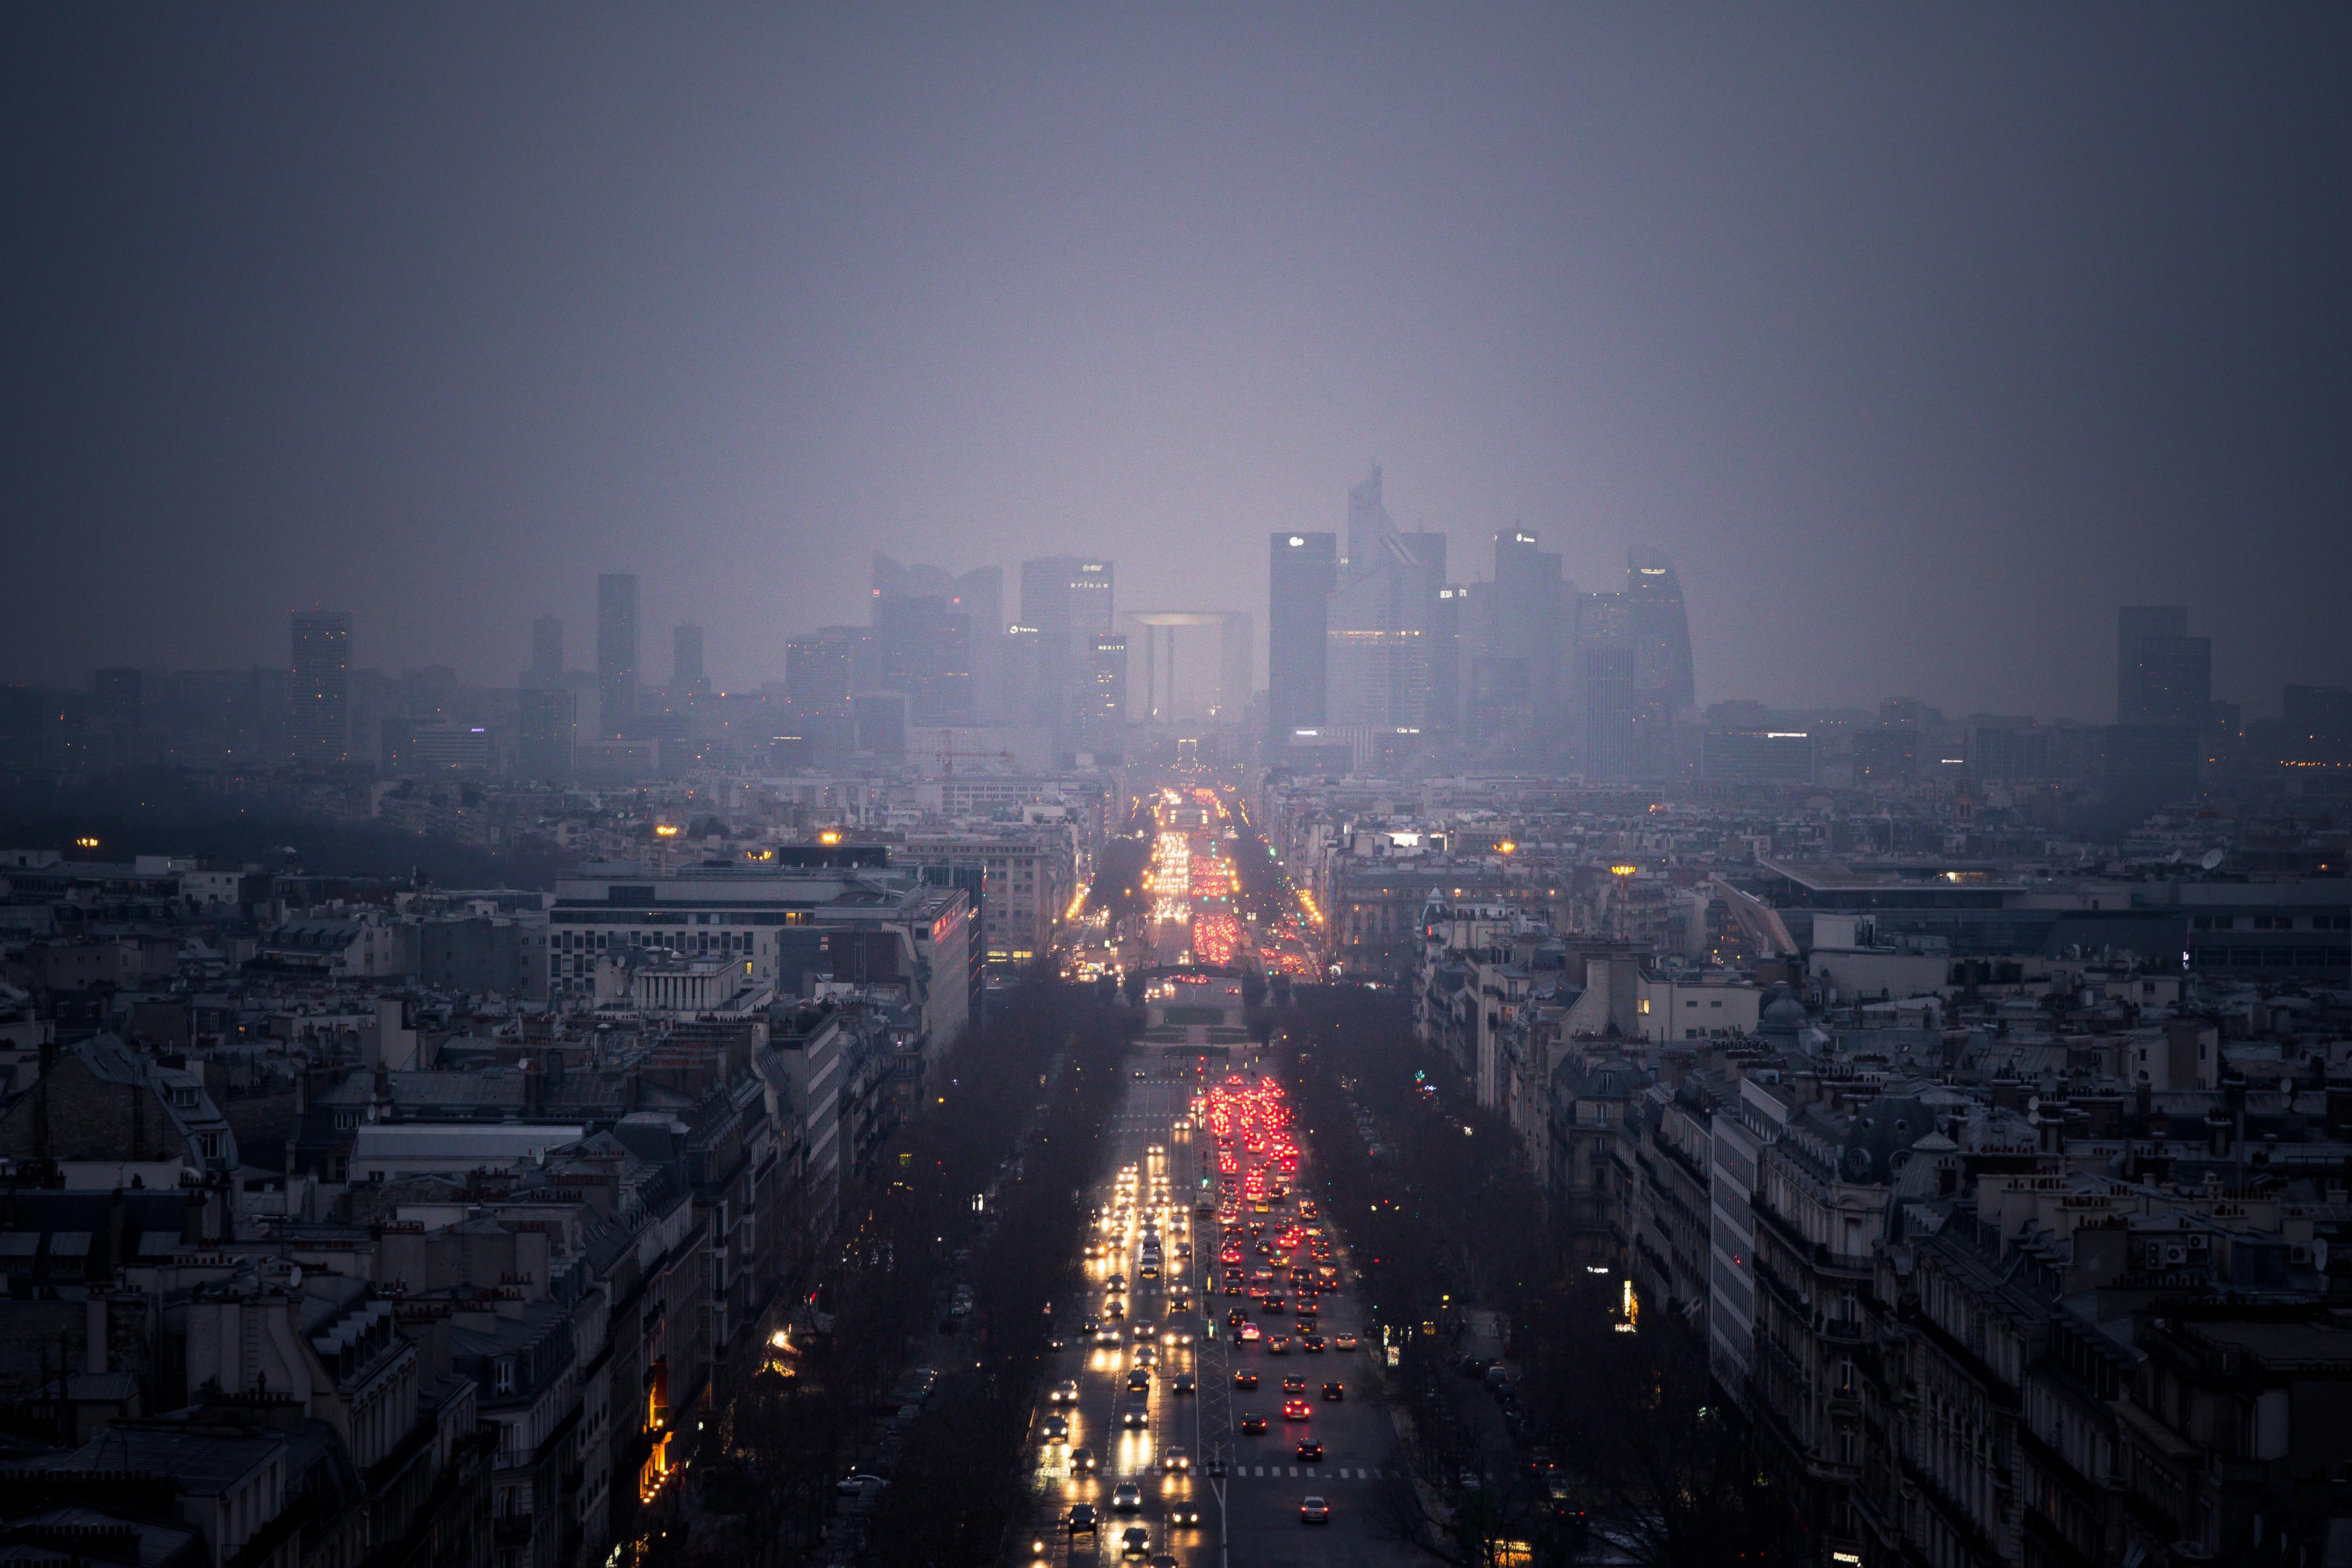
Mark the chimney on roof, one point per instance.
(2050, 1124)
(2218, 1127)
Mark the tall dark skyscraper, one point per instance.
(821, 673)
(1525, 629)
(924, 635)
(546, 652)
(1102, 718)
(686, 678)
(923, 647)
(2163, 675)
(1613, 737)
(1605, 665)
(1434, 613)
(318, 690)
(1068, 600)
(2163, 700)
(548, 729)
(617, 654)
(976, 598)
(1301, 569)
(1444, 636)
(1023, 698)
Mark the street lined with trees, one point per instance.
(981, 1189)
(1644, 1462)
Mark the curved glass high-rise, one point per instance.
(1660, 630)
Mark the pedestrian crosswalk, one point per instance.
(1313, 1473)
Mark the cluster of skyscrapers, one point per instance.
(1378, 662)
(1372, 641)
(558, 709)
(1378, 641)
(939, 652)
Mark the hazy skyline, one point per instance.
(1920, 339)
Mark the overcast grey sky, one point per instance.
(1920, 337)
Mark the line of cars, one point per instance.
(1253, 1154)
(1272, 1250)
(1140, 1215)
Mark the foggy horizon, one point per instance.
(1918, 342)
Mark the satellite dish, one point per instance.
(2212, 858)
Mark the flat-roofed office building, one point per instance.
(794, 926)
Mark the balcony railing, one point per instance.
(1818, 1254)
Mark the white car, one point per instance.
(1127, 1497)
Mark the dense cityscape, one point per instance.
(1740, 955)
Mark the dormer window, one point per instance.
(345, 1121)
(502, 1375)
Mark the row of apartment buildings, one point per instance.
(2057, 1279)
(1993, 1315)
(470, 1310)
(313, 1263)
(2006, 1199)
